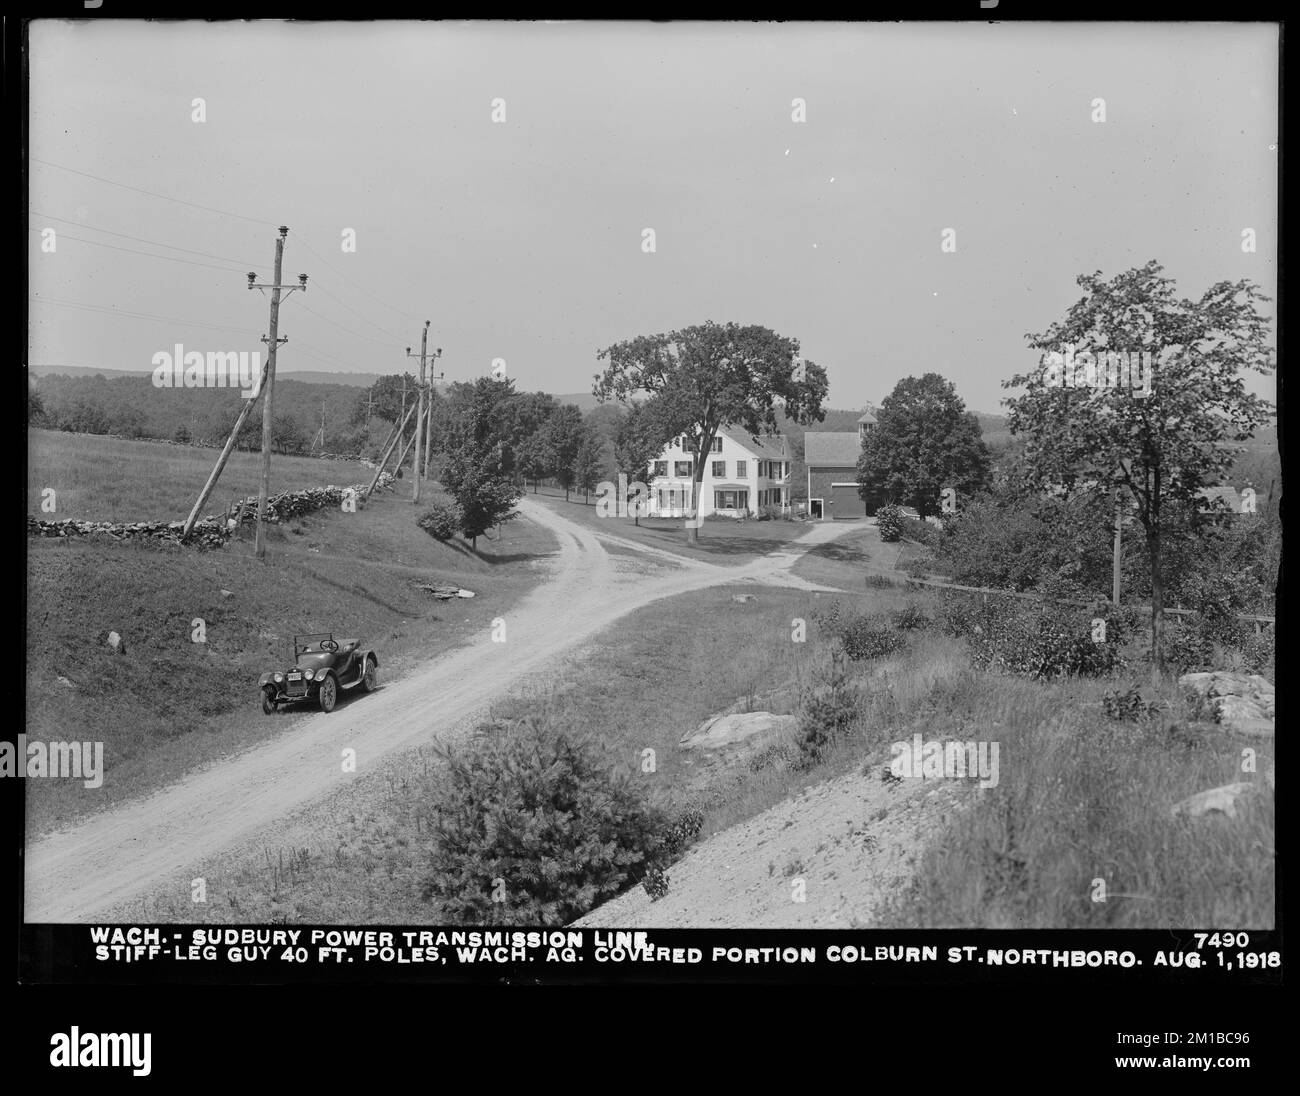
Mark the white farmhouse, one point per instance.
(741, 475)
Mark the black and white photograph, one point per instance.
(675, 499)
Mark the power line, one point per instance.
(355, 285)
(357, 334)
(314, 352)
(341, 301)
(126, 313)
(239, 216)
(150, 193)
(142, 240)
(147, 254)
(397, 339)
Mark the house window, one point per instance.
(719, 469)
(742, 469)
(682, 468)
(717, 445)
(731, 500)
(686, 444)
(776, 496)
(661, 468)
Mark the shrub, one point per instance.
(889, 520)
(866, 637)
(921, 531)
(910, 618)
(1127, 705)
(827, 714)
(530, 829)
(860, 637)
(880, 582)
(772, 512)
(441, 521)
(1187, 649)
(1042, 640)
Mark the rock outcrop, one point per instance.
(1242, 703)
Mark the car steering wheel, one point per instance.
(328, 645)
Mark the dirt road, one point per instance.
(115, 855)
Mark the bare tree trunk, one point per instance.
(697, 489)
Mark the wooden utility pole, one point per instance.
(1116, 564)
(428, 416)
(225, 454)
(1115, 567)
(273, 342)
(419, 417)
(370, 411)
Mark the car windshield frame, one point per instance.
(312, 646)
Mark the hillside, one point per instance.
(169, 703)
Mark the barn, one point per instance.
(832, 460)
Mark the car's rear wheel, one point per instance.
(328, 694)
(370, 679)
(268, 701)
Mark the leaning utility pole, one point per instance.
(388, 449)
(273, 342)
(419, 416)
(402, 419)
(225, 455)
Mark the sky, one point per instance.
(523, 239)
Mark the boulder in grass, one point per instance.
(733, 729)
(1222, 800)
(116, 643)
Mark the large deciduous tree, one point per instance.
(638, 442)
(477, 472)
(561, 437)
(924, 442)
(586, 461)
(1158, 430)
(713, 375)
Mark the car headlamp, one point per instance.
(309, 674)
(277, 678)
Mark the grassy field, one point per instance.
(98, 478)
(1079, 797)
(722, 541)
(168, 703)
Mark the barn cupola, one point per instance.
(865, 423)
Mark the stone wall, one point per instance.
(210, 531)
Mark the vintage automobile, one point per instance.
(321, 667)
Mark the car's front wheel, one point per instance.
(328, 693)
(268, 701)
(370, 679)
